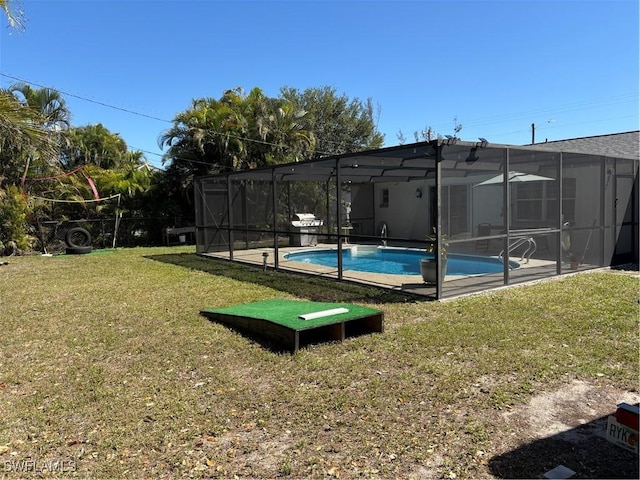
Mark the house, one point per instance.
(465, 203)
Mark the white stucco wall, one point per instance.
(406, 215)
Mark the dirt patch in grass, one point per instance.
(566, 427)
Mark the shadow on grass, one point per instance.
(583, 449)
(310, 287)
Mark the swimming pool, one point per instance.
(397, 261)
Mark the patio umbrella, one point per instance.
(514, 177)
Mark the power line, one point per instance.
(86, 99)
(564, 125)
(553, 111)
(214, 132)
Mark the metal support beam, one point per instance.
(339, 216)
(506, 208)
(560, 218)
(230, 210)
(274, 201)
(439, 265)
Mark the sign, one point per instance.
(622, 435)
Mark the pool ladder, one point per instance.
(383, 234)
(517, 243)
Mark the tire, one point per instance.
(78, 237)
(79, 250)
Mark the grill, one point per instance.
(305, 227)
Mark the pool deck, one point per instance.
(453, 286)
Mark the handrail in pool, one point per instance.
(518, 242)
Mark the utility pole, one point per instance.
(533, 133)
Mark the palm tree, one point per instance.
(93, 145)
(286, 132)
(16, 17)
(22, 137)
(22, 130)
(47, 101)
(271, 127)
(207, 138)
(237, 132)
(54, 117)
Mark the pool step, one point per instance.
(357, 250)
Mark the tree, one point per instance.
(93, 145)
(425, 135)
(15, 17)
(276, 131)
(55, 118)
(207, 138)
(49, 102)
(33, 125)
(101, 160)
(286, 135)
(428, 133)
(340, 125)
(13, 218)
(171, 193)
(237, 132)
(130, 178)
(23, 136)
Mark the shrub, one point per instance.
(13, 217)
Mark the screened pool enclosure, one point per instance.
(491, 215)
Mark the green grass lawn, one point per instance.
(107, 365)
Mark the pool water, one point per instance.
(398, 261)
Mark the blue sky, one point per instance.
(570, 67)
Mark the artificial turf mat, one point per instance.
(279, 320)
(285, 312)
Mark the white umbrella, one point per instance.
(514, 177)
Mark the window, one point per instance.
(568, 199)
(538, 201)
(385, 198)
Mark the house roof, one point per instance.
(620, 145)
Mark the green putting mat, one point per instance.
(280, 319)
